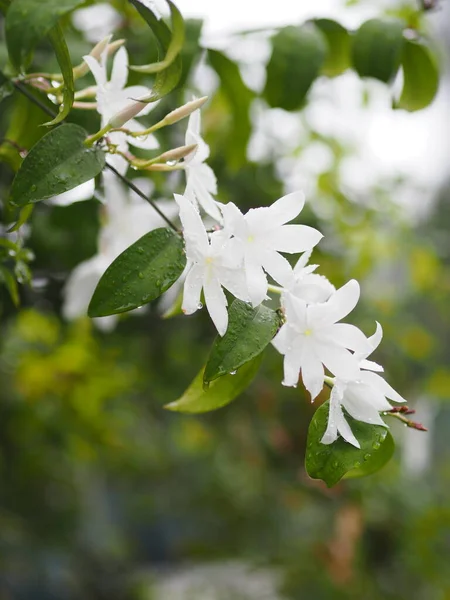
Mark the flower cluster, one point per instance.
(242, 254)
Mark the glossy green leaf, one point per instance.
(197, 399)
(57, 163)
(298, 55)
(331, 462)
(239, 98)
(63, 56)
(377, 49)
(338, 39)
(28, 21)
(249, 331)
(420, 76)
(140, 274)
(167, 79)
(174, 48)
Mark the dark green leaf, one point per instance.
(62, 54)
(10, 283)
(249, 331)
(298, 54)
(420, 75)
(222, 391)
(239, 98)
(331, 462)
(24, 215)
(377, 49)
(174, 47)
(140, 274)
(28, 21)
(339, 43)
(167, 79)
(57, 163)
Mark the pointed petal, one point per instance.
(340, 304)
(201, 182)
(296, 311)
(216, 303)
(361, 410)
(337, 422)
(312, 374)
(286, 208)
(382, 386)
(256, 281)
(235, 282)
(192, 289)
(85, 191)
(292, 363)
(302, 261)
(234, 221)
(196, 238)
(97, 70)
(376, 338)
(277, 267)
(292, 238)
(119, 73)
(338, 360)
(283, 339)
(349, 336)
(370, 365)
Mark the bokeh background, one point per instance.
(105, 495)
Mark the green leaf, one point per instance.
(6, 87)
(331, 462)
(167, 79)
(377, 49)
(174, 48)
(298, 55)
(28, 21)
(222, 391)
(249, 331)
(339, 43)
(63, 56)
(57, 163)
(10, 283)
(239, 99)
(24, 215)
(421, 76)
(140, 274)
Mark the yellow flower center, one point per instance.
(308, 332)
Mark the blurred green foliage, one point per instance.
(99, 486)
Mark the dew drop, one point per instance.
(376, 445)
(199, 306)
(233, 372)
(366, 456)
(33, 188)
(141, 275)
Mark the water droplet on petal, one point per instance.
(199, 306)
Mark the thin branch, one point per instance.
(25, 91)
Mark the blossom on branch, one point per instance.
(363, 398)
(262, 234)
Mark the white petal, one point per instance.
(363, 392)
(376, 338)
(296, 311)
(382, 386)
(283, 339)
(302, 261)
(292, 363)
(293, 238)
(349, 337)
(192, 289)
(337, 422)
(193, 137)
(234, 221)
(312, 374)
(134, 92)
(81, 285)
(119, 74)
(277, 267)
(235, 282)
(361, 411)
(97, 70)
(338, 306)
(370, 365)
(216, 303)
(196, 238)
(338, 360)
(256, 281)
(286, 208)
(201, 182)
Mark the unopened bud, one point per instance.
(96, 52)
(127, 113)
(113, 46)
(177, 153)
(184, 111)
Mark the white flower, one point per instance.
(261, 234)
(309, 286)
(113, 97)
(96, 21)
(312, 338)
(201, 182)
(363, 398)
(211, 266)
(82, 192)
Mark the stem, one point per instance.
(141, 194)
(405, 420)
(23, 90)
(275, 289)
(89, 141)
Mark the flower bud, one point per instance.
(127, 113)
(177, 153)
(184, 111)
